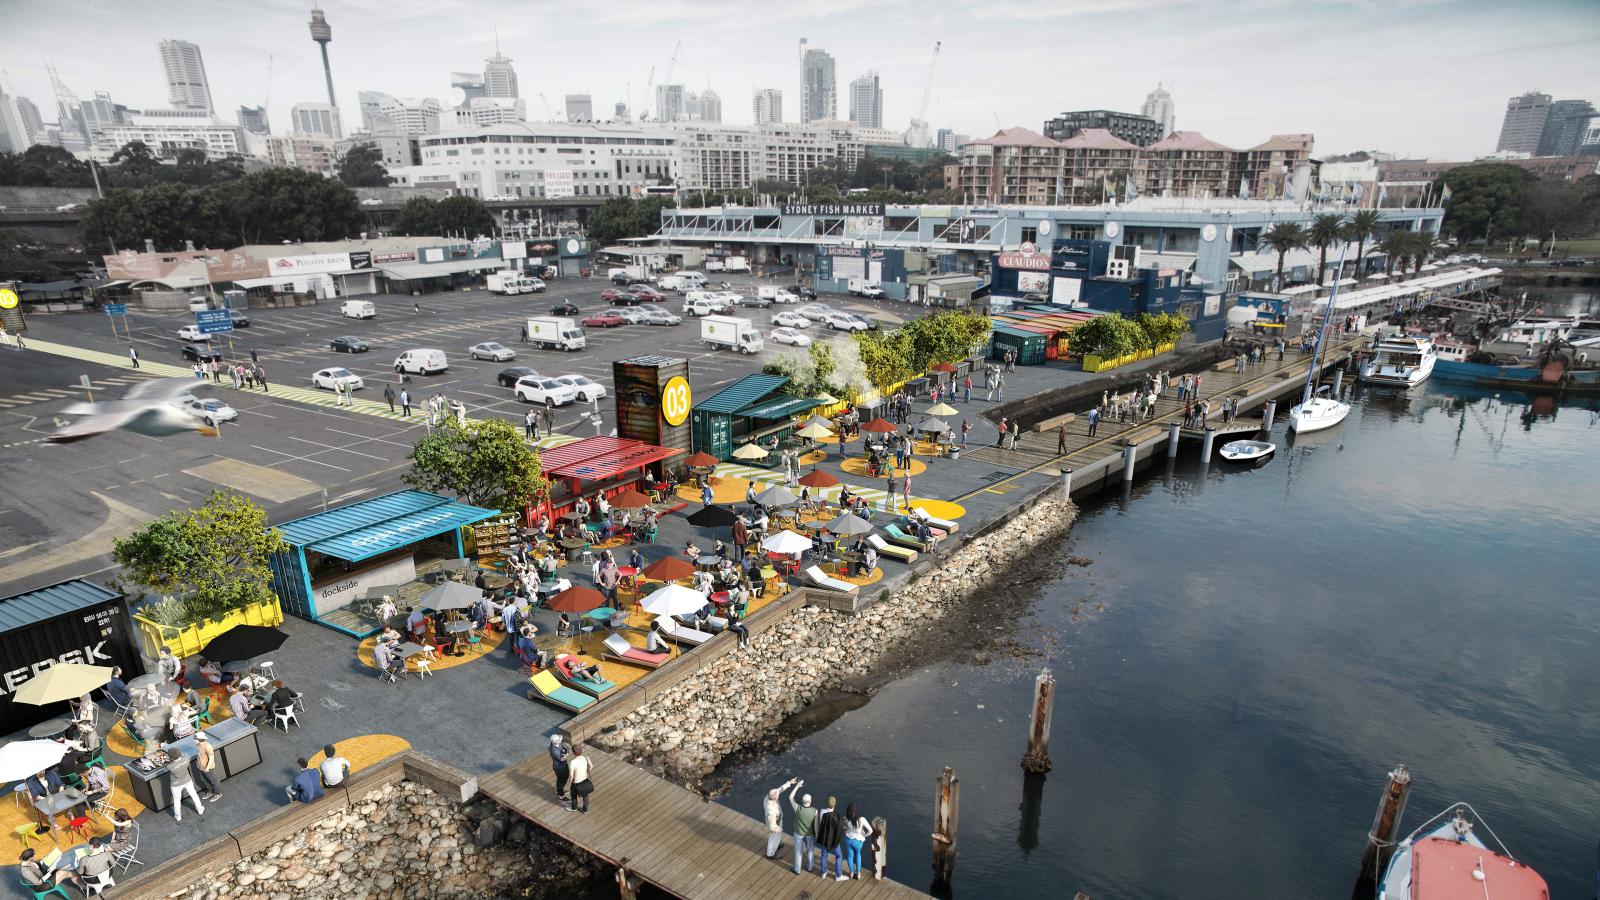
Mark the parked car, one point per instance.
(209, 410)
(791, 320)
(536, 285)
(872, 292)
(604, 319)
(327, 378)
(617, 297)
(566, 308)
(192, 333)
(790, 336)
(199, 304)
(632, 315)
(547, 391)
(658, 316)
(587, 388)
(197, 353)
(753, 301)
(806, 293)
(358, 309)
(510, 377)
(240, 320)
(844, 322)
(344, 343)
(492, 351)
(646, 292)
(816, 312)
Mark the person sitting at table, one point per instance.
(87, 736)
(241, 707)
(618, 619)
(74, 757)
(117, 689)
(703, 582)
(805, 498)
(383, 656)
(417, 623)
(96, 784)
(41, 786)
(282, 698)
(542, 527)
(636, 560)
(211, 672)
(96, 861)
(581, 507)
(388, 635)
(169, 667)
(39, 878)
(719, 549)
(180, 722)
(121, 831)
(844, 496)
(524, 649)
(866, 561)
(650, 522)
(564, 627)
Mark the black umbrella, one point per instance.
(714, 517)
(243, 642)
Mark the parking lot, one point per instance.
(64, 503)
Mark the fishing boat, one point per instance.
(1401, 361)
(1445, 859)
(1316, 412)
(1247, 451)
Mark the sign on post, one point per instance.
(116, 309)
(214, 321)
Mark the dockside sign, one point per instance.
(832, 209)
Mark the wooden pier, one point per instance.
(672, 837)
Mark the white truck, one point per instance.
(736, 264)
(732, 332)
(859, 285)
(776, 294)
(714, 265)
(555, 332)
(509, 282)
(669, 283)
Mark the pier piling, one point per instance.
(1037, 758)
(1386, 824)
(1338, 381)
(1206, 442)
(946, 806)
(1130, 455)
(627, 883)
(1066, 484)
(1269, 413)
(1174, 433)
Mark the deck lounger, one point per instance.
(824, 581)
(716, 624)
(905, 540)
(553, 692)
(683, 634)
(938, 533)
(594, 687)
(933, 522)
(619, 650)
(884, 548)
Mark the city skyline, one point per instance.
(1454, 112)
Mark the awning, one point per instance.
(749, 390)
(365, 529)
(286, 278)
(597, 458)
(780, 407)
(411, 271)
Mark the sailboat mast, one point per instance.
(1322, 330)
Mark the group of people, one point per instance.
(311, 782)
(242, 376)
(824, 835)
(439, 408)
(91, 867)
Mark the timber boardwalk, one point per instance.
(674, 838)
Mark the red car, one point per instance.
(645, 292)
(619, 298)
(602, 320)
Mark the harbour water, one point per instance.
(1248, 654)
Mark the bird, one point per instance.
(148, 409)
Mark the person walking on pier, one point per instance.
(1000, 436)
(965, 427)
(1280, 349)
(805, 818)
(582, 786)
(1094, 420)
(1061, 440)
(888, 486)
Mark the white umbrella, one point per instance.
(450, 595)
(787, 541)
(674, 600)
(19, 759)
(62, 681)
(749, 451)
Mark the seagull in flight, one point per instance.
(148, 409)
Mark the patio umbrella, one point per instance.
(818, 420)
(62, 681)
(673, 600)
(815, 432)
(942, 409)
(826, 399)
(849, 525)
(576, 600)
(630, 499)
(777, 495)
(244, 642)
(749, 451)
(449, 595)
(701, 460)
(669, 568)
(19, 759)
(818, 479)
(933, 426)
(945, 368)
(879, 425)
(786, 541)
(714, 517)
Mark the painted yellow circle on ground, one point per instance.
(441, 661)
(874, 576)
(724, 489)
(940, 509)
(14, 816)
(676, 401)
(858, 466)
(9, 298)
(365, 751)
(814, 457)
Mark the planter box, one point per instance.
(186, 640)
(1096, 363)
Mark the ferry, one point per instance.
(1445, 859)
(1401, 361)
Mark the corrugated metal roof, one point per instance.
(409, 271)
(23, 610)
(322, 525)
(744, 392)
(780, 407)
(397, 532)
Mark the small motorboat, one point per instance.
(1445, 859)
(1247, 451)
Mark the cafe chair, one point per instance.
(27, 834)
(20, 794)
(78, 827)
(424, 661)
(99, 884)
(269, 671)
(299, 701)
(40, 892)
(283, 717)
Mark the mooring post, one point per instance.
(1269, 413)
(880, 847)
(1129, 457)
(1066, 484)
(1206, 442)
(1174, 433)
(1386, 824)
(627, 883)
(946, 806)
(1338, 381)
(1037, 759)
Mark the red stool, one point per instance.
(79, 827)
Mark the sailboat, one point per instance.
(1316, 412)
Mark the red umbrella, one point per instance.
(701, 461)
(945, 368)
(879, 425)
(670, 568)
(630, 499)
(577, 600)
(818, 479)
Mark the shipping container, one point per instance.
(653, 400)
(1030, 345)
(74, 621)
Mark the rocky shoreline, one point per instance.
(735, 701)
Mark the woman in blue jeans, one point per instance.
(856, 830)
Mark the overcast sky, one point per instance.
(1418, 77)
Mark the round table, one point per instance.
(50, 729)
(144, 681)
(709, 562)
(573, 546)
(458, 626)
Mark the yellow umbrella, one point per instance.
(815, 432)
(749, 451)
(943, 409)
(63, 681)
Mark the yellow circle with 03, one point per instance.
(8, 298)
(675, 400)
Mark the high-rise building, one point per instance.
(32, 122)
(670, 103)
(866, 101)
(1565, 127)
(102, 112)
(482, 111)
(620, 113)
(580, 108)
(369, 101)
(705, 106)
(1523, 125)
(466, 87)
(187, 87)
(1158, 106)
(818, 90)
(254, 119)
(13, 133)
(409, 115)
(950, 142)
(1141, 130)
(499, 78)
(768, 105)
(314, 120)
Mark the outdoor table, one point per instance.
(69, 858)
(234, 742)
(709, 561)
(409, 649)
(52, 805)
(144, 681)
(458, 626)
(572, 546)
(720, 598)
(49, 729)
(238, 667)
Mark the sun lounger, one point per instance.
(884, 548)
(905, 540)
(594, 687)
(717, 624)
(935, 522)
(682, 633)
(547, 688)
(619, 650)
(828, 583)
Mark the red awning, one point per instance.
(597, 458)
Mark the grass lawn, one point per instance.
(1586, 247)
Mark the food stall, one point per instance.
(150, 775)
(599, 466)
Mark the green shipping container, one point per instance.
(1030, 345)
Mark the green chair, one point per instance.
(650, 536)
(205, 714)
(46, 892)
(99, 758)
(138, 741)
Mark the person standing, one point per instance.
(805, 818)
(168, 665)
(965, 427)
(133, 357)
(530, 426)
(905, 487)
(830, 840)
(261, 378)
(856, 831)
(203, 764)
(582, 782)
(405, 403)
(1000, 433)
(181, 781)
(559, 754)
(388, 395)
(254, 356)
(549, 418)
(773, 809)
(966, 389)
(1061, 440)
(1094, 420)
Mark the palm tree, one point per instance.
(1283, 237)
(1325, 229)
(1361, 227)
(1394, 246)
(1421, 245)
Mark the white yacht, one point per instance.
(1400, 361)
(1317, 413)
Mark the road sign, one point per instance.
(214, 321)
(116, 309)
(83, 382)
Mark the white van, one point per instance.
(421, 362)
(358, 309)
(691, 281)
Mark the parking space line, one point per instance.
(329, 448)
(287, 457)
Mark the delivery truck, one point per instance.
(555, 333)
(732, 332)
(736, 264)
(509, 282)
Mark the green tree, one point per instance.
(465, 217)
(44, 166)
(1566, 209)
(1485, 199)
(1109, 335)
(362, 166)
(824, 366)
(417, 217)
(945, 336)
(216, 554)
(1283, 237)
(276, 205)
(1325, 229)
(485, 463)
(23, 258)
(1419, 246)
(1361, 228)
(622, 217)
(166, 214)
(134, 165)
(886, 357)
(1162, 328)
(1394, 246)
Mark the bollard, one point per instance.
(1268, 414)
(1205, 444)
(1338, 381)
(628, 884)
(1037, 759)
(1386, 824)
(1066, 484)
(946, 807)
(1130, 454)
(1174, 433)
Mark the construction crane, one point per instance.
(649, 85)
(918, 135)
(649, 89)
(550, 114)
